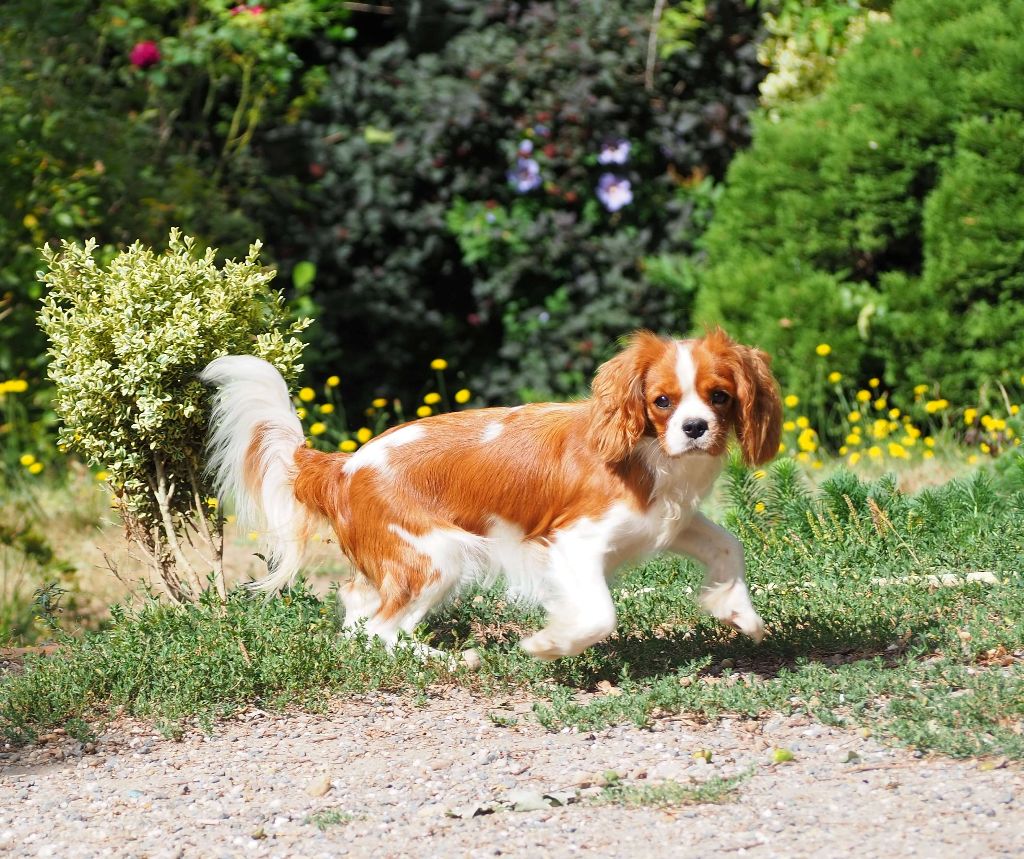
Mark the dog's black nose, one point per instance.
(695, 428)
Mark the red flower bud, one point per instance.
(144, 55)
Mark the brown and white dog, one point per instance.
(554, 496)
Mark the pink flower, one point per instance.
(144, 55)
(248, 10)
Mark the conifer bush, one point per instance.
(884, 217)
(126, 342)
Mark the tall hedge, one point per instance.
(887, 217)
(427, 242)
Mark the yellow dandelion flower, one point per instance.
(439, 364)
(984, 448)
(102, 475)
(807, 440)
(318, 428)
(863, 396)
(873, 383)
(969, 416)
(788, 426)
(875, 452)
(379, 403)
(1014, 410)
(929, 441)
(424, 411)
(802, 422)
(35, 468)
(880, 404)
(894, 413)
(17, 386)
(835, 377)
(327, 409)
(986, 421)
(972, 459)
(803, 456)
(347, 446)
(908, 440)
(782, 447)
(853, 458)
(817, 464)
(364, 434)
(928, 454)
(843, 450)
(333, 381)
(432, 399)
(853, 417)
(26, 459)
(933, 406)
(791, 401)
(912, 430)
(462, 396)
(920, 389)
(823, 349)
(759, 507)
(853, 438)
(307, 395)
(897, 450)
(301, 412)
(999, 424)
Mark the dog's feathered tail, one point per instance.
(254, 443)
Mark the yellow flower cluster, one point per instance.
(872, 429)
(30, 463)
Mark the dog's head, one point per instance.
(688, 394)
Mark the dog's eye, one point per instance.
(662, 402)
(719, 398)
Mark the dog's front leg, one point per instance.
(579, 606)
(724, 592)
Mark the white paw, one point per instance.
(729, 602)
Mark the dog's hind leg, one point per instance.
(360, 599)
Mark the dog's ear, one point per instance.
(759, 408)
(618, 413)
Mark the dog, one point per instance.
(554, 496)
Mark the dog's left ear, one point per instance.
(759, 416)
(618, 414)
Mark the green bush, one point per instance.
(126, 344)
(425, 247)
(885, 217)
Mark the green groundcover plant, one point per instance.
(126, 343)
(898, 613)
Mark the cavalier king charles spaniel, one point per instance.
(553, 496)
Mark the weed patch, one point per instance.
(903, 614)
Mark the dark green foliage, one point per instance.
(424, 248)
(885, 217)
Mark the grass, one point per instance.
(666, 794)
(858, 633)
(328, 817)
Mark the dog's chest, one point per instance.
(677, 495)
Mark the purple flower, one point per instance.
(144, 55)
(542, 131)
(614, 192)
(614, 152)
(526, 175)
(525, 148)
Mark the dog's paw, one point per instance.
(730, 603)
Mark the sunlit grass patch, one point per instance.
(903, 614)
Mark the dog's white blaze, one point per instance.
(491, 432)
(374, 454)
(690, 407)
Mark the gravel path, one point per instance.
(383, 777)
